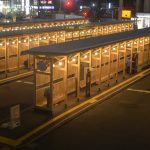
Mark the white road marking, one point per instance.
(18, 81)
(28, 82)
(142, 91)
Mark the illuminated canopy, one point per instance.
(81, 45)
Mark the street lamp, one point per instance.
(93, 5)
(93, 10)
(60, 5)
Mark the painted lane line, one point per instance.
(18, 81)
(142, 91)
(29, 82)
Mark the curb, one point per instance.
(9, 79)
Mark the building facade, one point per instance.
(26, 5)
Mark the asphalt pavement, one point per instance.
(16, 92)
(119, 123)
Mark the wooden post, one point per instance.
(125, 58)
(148, 50)
(28, 54)
(56, 37)
(78, 78)
(90, 59)
(117, 62)
(109, 75)
(51, 86)
(138, 43)
(143, 48)
(100, 66)
(38, 40)
(66, 80)
(131, 55)
(6, 59)
(18, 56)
(34, 65)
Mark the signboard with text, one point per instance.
(126, 14)
(15, 116)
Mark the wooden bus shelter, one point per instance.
(14, 26)
(62, 69)
(12, 43)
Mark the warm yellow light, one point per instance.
(13, 42)
(114, 48)
(122, 46)
(25, 41)
(60, 63)
(53, 65)
(141, 41)
(85, 56)
(135, 43)
(105, 51)
(1, 44)
(96, 54)
(73, 59)
(88, 31)
(129, 44)
(7, 43)
(146, 40)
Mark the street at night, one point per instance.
(74, 74)
(121, 122)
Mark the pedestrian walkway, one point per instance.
(35, 122)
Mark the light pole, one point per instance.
(120, 9)
(60, 5)
(93, 9)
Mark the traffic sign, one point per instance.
(126, 14)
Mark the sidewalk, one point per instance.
(34, 123)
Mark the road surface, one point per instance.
(119, 123)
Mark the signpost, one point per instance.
(15, 116)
